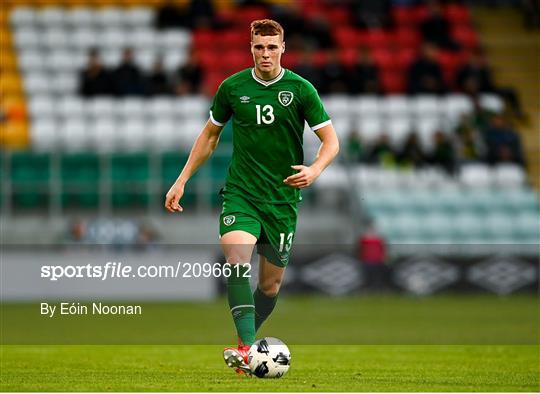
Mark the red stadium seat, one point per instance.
(290, 59)
(319, 59)
(420, 13)
(457, 14)
(346, 36)
(393, 82)
(236, 39)
(236, 60)
(408, 38)
(405, 57)
(212, 81)
(465, 35)
(203, 38)
(244, 16)
(449, 62)
(385, 59)
(337, 16)
(207, 58)
(379, 38)
(348, 56)
(403, 16)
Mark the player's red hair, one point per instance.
(266, 27)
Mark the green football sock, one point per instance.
(241, 304)
(264, 305)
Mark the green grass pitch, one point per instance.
(376, 343)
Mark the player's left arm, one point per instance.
(328, 150)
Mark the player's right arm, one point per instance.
(202, 149)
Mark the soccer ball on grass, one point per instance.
(269, 358)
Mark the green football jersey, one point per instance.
(268, 126)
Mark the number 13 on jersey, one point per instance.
(265, 115)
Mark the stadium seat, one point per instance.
(475, 176)
(336, 105)
(23, 16)
(43, 135)
(175, 39)
(365, 106)
(132, 136)
(139, 16)
(395, 106)
(398, 130)
(492, 102)
(83, 38)
(370, 129)
(80, 174)
(108, 17)
(173, 59)
(50, 17)
(509, 176)
(113, 38)
(27, 38)
(81, 17)
(73, 135)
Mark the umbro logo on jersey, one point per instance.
(244, 99)
(285, 97)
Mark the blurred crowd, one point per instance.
(482, 137)
(127, 79)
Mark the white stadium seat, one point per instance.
(398, 130)
(366, 106)
(36, 83)
(144, 38)
(425, 106)
(133, 135)
(173, 59)
(139, 16)
(396, 106)
(370, 129)
(31, 60)
(55, 38)
(509, 176)
(160, 107)
(80, 17)
(27, 37)
(22, 16)
(60, 60)
(42, 106)
(492, 102)
(336, 105)
(100, 107)
(103, 135)
(64, 83)
(175, 39)
(164, 135)
(145, 58)
(43, 135)
(131, 107)
(109, 17)
(426, 129)
(475, 176)
(71, 106)
(112, 57)
(74, 136)
(84, 38)
(113, 38)
(192, 106)
(454, 106)
(51, 16)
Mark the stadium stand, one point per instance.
(104, 153)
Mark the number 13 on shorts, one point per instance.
(285, 242)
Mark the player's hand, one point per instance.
(173, 196)
(305, 177)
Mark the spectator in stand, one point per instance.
(382, 152)
(306, 69)
(412, 155)
(189, 76)
(443, 154)
(425, 74)
(354, 148)
(94, 80)
(170, 16)
(365, 75)
(372, 255)
(502, 142)
(474, 76)
(128, 79)
(470, 147)
(369, 14)
(436, 28)
(335, 79)
(158, 81)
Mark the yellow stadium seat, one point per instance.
(14, 135)
(8, 62)
(10, 83)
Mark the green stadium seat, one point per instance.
(80, 175)
(30, 173)
(129, 175)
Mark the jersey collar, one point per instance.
(269, 82)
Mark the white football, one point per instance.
(269, 358)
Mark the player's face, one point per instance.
(267, 52)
